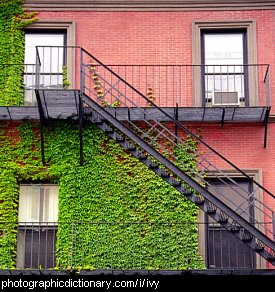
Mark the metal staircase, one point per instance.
(249, 215)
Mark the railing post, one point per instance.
(82, 89)
(273, 224)
(267, 81)
(176, 118)
(37, 69)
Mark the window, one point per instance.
(52, 57)
(224, 71)
(223, 249)
(231, 43)
(38, 216)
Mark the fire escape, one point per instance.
(122, 103)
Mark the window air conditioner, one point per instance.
(225, 98)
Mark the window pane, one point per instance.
(29, 202)
(38, 203)
(224, 48)
(44, 39)
(51, 81)
(226, 251)
(232, 195)
(51, 59)
(224, 83)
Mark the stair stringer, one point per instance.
(223, 214)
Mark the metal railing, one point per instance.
(253, 205)
(105, 87)
(166, 85)
(198, 85)
(127, 245)
(57, 67)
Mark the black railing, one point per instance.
(199, 85)
(57, 67)
(169, 85)
(110, 90)
(128, 246)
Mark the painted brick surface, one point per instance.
(158, 37)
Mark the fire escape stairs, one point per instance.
(208, 203)
(91, 109)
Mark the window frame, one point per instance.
(223, 25)
(220, 229)
(245, 59)
(60, 25)
(257, 176)
(36, 229)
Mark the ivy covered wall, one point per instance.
(12, 20)
(112, 187)
(113, 211)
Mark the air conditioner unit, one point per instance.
(225, 98)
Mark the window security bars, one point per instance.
(124, 245)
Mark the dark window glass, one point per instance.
(224, 250)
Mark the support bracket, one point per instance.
(176, 118)
(265, 126)
(80, 120)
(42, 123)
(223, 114)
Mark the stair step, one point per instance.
(259, 246)
(234, 227)
(174, 182)
(108, 129)
(199, 200)
(164, 174)
(130, 147)
(271, 257)
(141, 156)
(186, 192)
(210, 208)
(222, 218)
(98, 121)
(119, 138)
(245, 235)
(153, 165)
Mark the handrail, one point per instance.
(180, 125)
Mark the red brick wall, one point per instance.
(158, 37)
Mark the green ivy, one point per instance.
(112, 186)
(12, 20)
(128, 204)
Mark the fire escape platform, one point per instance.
(63, 104)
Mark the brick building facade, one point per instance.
(146, 35)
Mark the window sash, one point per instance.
(38, 204)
